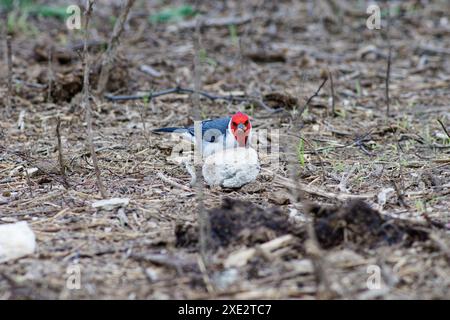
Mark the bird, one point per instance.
(218, 134)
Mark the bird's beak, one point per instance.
(240, 135)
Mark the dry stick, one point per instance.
(144, 126)
(443, 127)
(317, 256)
(291, 162)
(333, 102)
(203, 218)
(216, 22)
(62, 167)
(388, 69)
(313, 251)
(206, 278)
(180, 90)
(400, 194)
(10, 72)
(110, 53)
(167, 180)
(317, 154)
(50, 74)
(86, 102)
(29, 182)
(312, 97)
(388, 75)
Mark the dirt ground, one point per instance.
(348, 198)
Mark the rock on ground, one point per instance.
(231, 168)
(16, 240)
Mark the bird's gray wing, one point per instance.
(212, 129)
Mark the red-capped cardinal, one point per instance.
(219, 134)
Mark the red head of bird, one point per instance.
(240, 127)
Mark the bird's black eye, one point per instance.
(234, 124)
(246, 123)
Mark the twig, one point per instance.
(400, 194)
(342, 186)
(110, 53)
(60, 154)
(312, 97)
(359, 141)
(29, 182)
(388, 69)
(242, 256)
(170, 261)
(388, 75)
(144, 126)
(47, 168)
(191, 170)
(30, 84)
(50, 74)
(171, 182)
(443, 127)
(433, 50)
(317, 154)
(206, 279)
(333, 102)
(320, 192)
(10, 72)
(86, 102)
(214, 22)
(319, 262)
(202, 216)
(180, 90)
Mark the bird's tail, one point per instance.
(170, 129)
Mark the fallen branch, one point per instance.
(180, 90)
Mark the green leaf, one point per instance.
(301, 153)
(233, 34)
(8, 4)
(49, 11)
(173, 14)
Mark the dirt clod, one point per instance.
(238, 222)
(359, 224)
